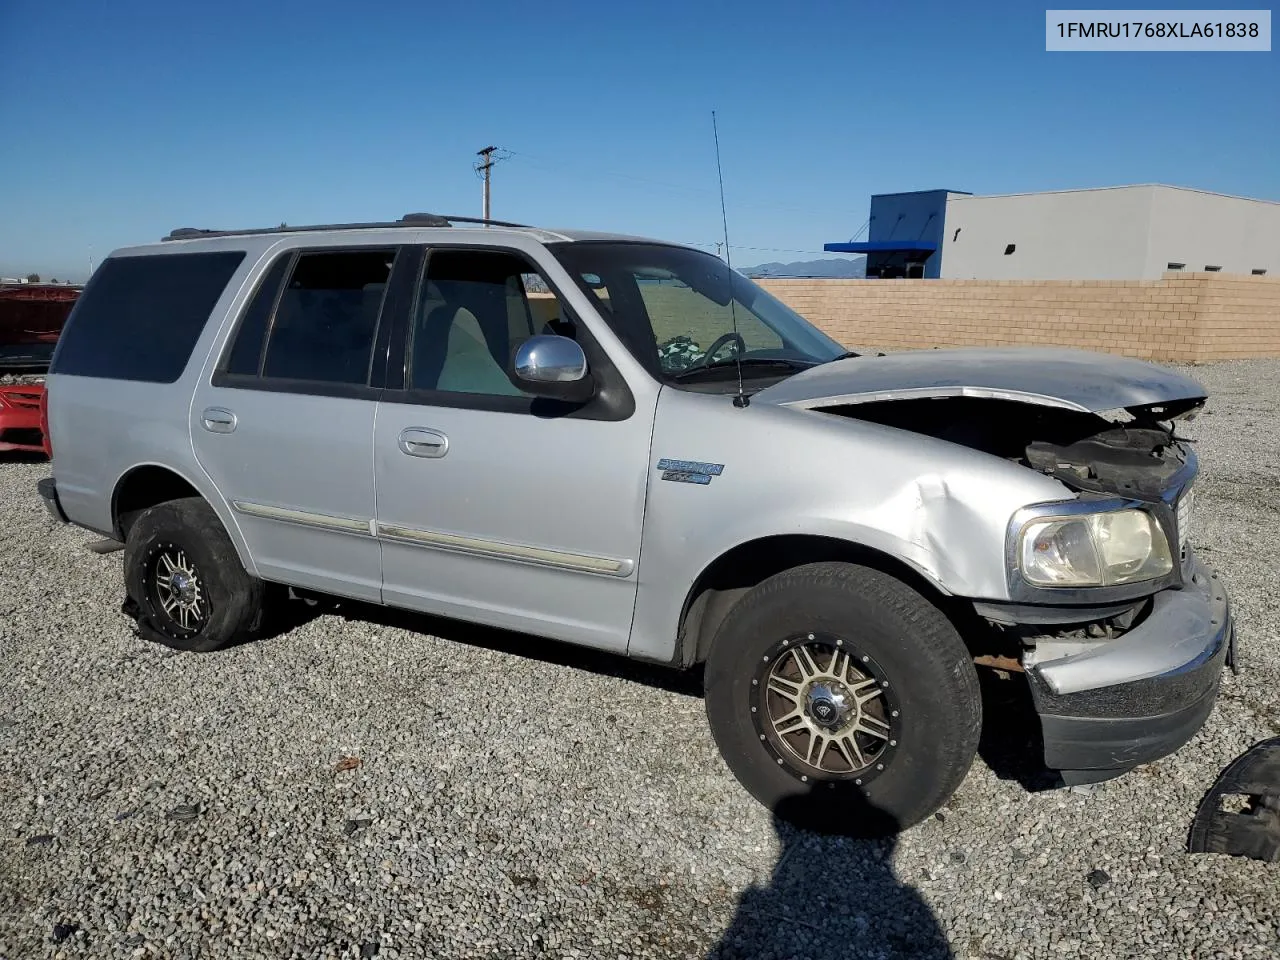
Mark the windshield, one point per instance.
(688, 318)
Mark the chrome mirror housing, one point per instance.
(550, 359)
(551, 366)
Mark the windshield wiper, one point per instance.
(844, 356)
(731, 363)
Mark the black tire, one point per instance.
(906, 657)
(226, 602)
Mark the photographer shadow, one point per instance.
(831, 897)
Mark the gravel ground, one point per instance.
(511, 798)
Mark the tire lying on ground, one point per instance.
(843, 699)
(185, 579)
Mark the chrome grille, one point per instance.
(1186, 506)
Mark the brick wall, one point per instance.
(1181, 318)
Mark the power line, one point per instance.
(597, 172)
(736, 246)
(532, 160)
(538, 163)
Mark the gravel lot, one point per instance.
(521, 799)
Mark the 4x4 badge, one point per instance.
(689, 471)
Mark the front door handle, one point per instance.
(421, 442)
(218, 420)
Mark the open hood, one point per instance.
(1051, 377)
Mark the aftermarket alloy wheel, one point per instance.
(175, 590)
(187, 587)
(825, 709)
(843, 699)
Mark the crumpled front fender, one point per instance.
(939, 507)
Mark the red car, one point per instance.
(20, 415)
(31, 319)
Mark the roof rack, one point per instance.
(408, 220)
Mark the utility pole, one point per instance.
(485, 166)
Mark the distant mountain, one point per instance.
(851, 267)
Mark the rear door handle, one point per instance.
(421, 442)
(218, 420)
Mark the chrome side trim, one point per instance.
(287, 515)
(506, 551)
(582, 563)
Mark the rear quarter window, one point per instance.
(140, 317)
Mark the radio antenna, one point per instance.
(741, 399)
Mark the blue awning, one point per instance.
(882, 246)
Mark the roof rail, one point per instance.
(411, 218)
(408, 220)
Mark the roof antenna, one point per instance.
(741, 400)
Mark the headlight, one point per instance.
(1094, 550)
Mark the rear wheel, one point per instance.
(843, 699)
(188, 588)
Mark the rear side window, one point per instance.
(140, 317)
(327, 316)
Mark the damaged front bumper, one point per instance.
(1142, 695)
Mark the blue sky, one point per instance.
(124, 119)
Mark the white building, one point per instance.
(1109, 233)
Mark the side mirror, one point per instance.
(555, 367)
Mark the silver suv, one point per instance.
(621, 443)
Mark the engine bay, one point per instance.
(1133, 452)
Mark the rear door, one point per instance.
(285, 425)
(118, 390)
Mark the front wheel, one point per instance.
(843, 700)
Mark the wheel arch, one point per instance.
(145, 485)
(730, 575)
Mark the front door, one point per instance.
(493, 506)
(285, 424)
